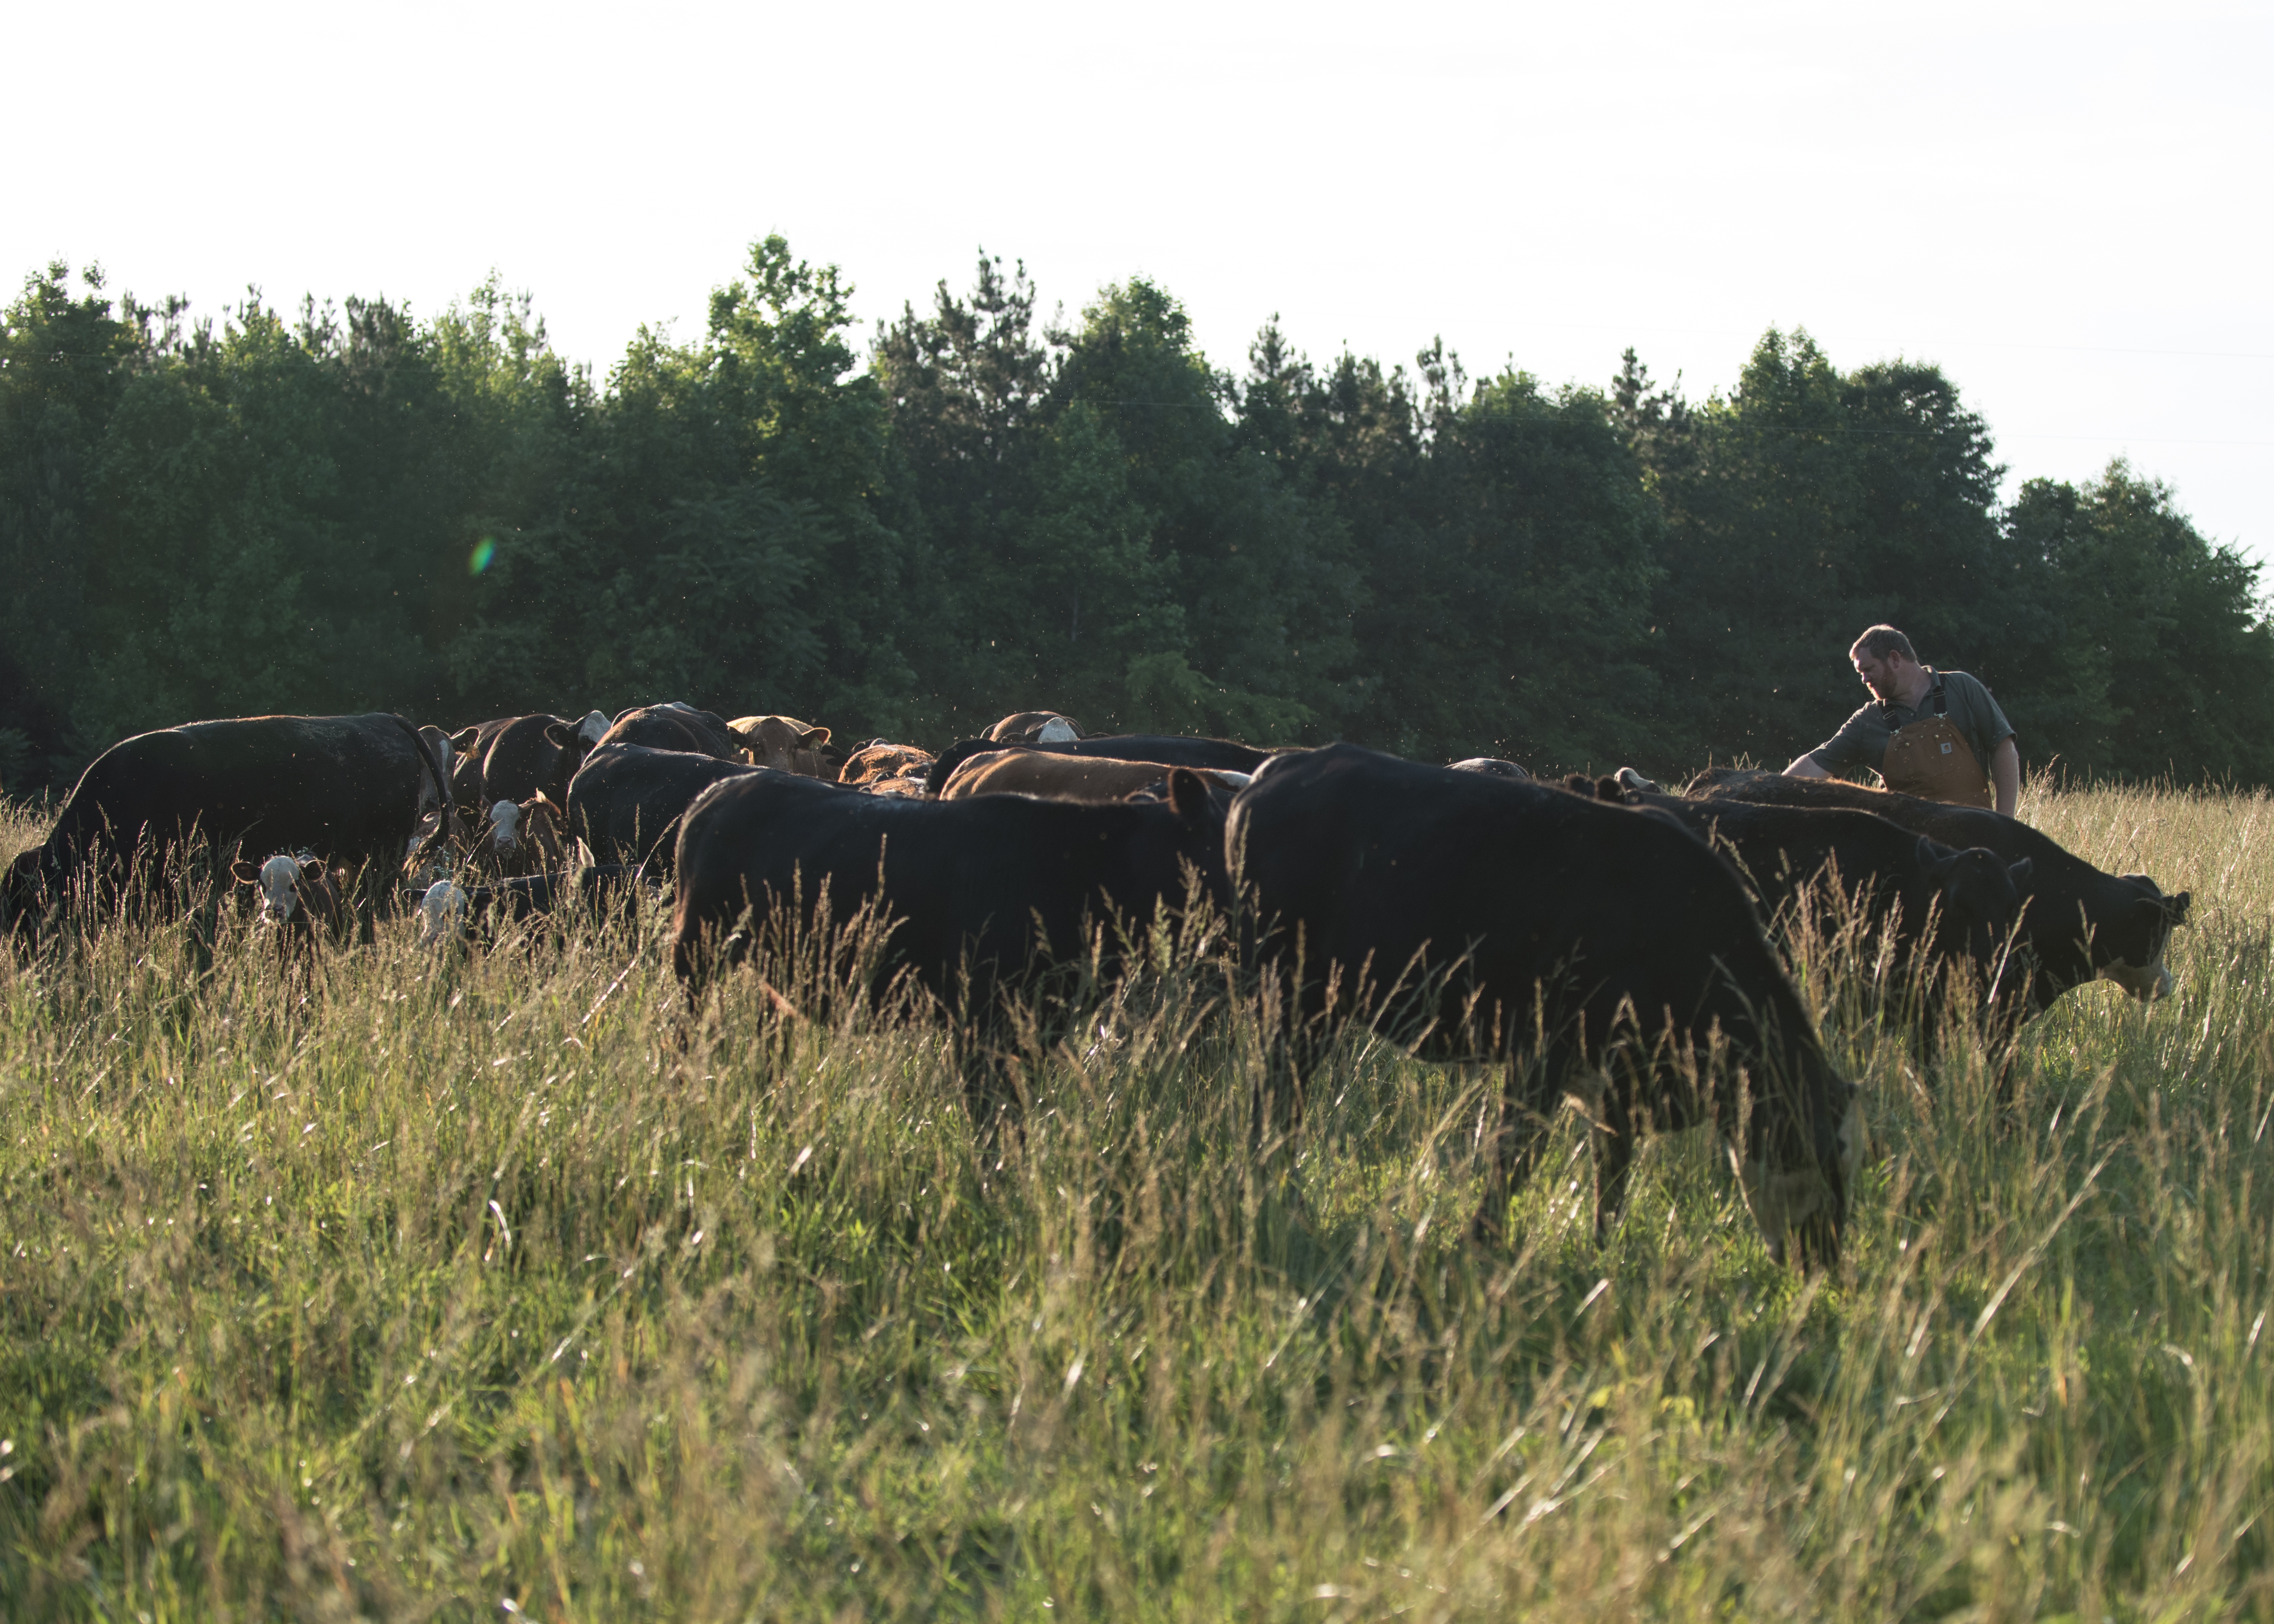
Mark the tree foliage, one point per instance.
(986, 512)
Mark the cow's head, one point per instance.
(1805, 1203)
(785, 744)
(1200, 807)
(293, 889)
(594, 727)
(442, 913)
(505, 824)
(1035, 727)
(2128, 949)
(877, 760)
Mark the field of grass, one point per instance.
(407, 1286)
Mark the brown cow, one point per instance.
(1035, 727)
(1063, 778)
(877, 762)
(786, 744)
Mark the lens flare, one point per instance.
(484, 550)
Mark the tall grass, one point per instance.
(394, 1284)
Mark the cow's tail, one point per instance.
(954, 756)
(444, 825)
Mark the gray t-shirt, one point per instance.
(1862, 741)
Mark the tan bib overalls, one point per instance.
(1930, 759)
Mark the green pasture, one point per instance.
(404, 1285)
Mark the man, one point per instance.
(1936, 734)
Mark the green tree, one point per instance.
(64, 361)
(2158, 659)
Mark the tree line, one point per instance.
(351, 508)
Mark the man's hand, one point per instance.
(1805, 767)
(2006, 775)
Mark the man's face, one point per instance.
(1882, 674)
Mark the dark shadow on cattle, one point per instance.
(1591, 952)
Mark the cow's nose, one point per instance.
(2163, 981)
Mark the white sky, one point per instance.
(2065, 204)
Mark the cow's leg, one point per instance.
(1521, 1120)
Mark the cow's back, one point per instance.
(626, 800)
(1382, 863)
(971, 880)
(345, 787)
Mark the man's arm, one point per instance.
(1806, 767)
(2005, 774)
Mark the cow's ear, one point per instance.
(311, 869)
(244, 873)
(464, 739)
(2022, 870)
(1934, 860)
(1188, 797)
(1608, 788)
(560, 735)
(815, 737)
(2175, 908)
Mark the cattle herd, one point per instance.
(1599, 939)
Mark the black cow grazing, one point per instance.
(1944, 906)
(1491, 766)
(539, 754)
(1205, 755)
(2079, 923)
(678, 726)
(1470, 917)
(349, 789)
(625, 802)
(984, 895)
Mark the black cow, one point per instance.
(625, 802)
(348, 789)
(468, 745)
(677, 726)
(539, 753)
(1944, 906)
(2079, 923)
(1203, 754)
(985, 894)
(1474, 917)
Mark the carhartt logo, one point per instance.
(1945, 749)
